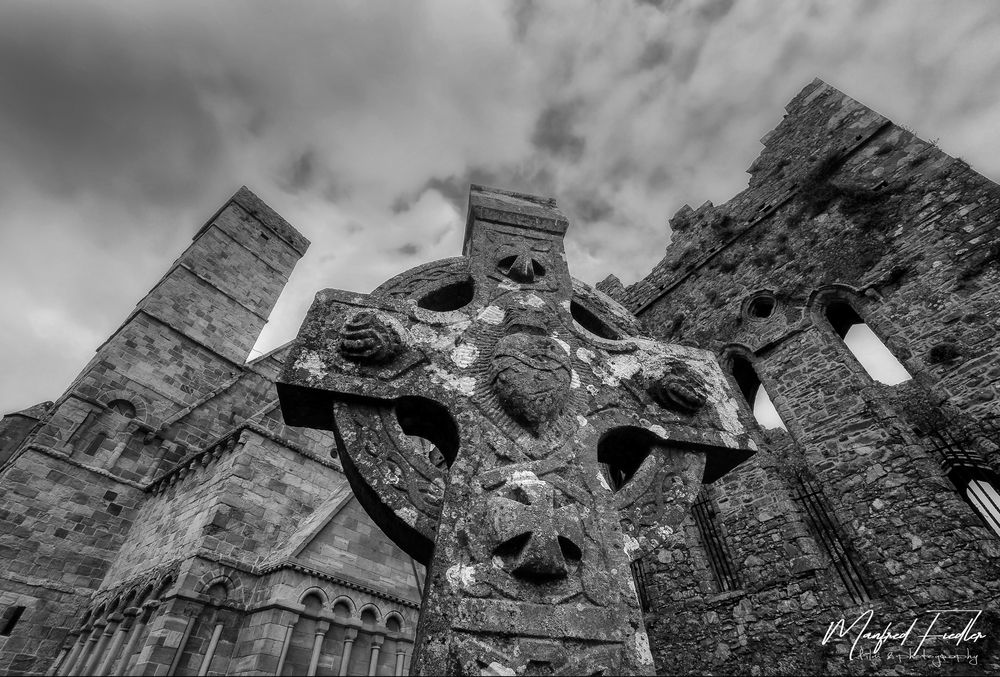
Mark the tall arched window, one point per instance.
(974, 479)
(303, 637)
(361, 654)
(208, 648)
(717, 553)
(866, 347)
(753, 392)
(334, 652)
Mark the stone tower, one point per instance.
(159, 516)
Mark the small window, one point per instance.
(756, 397)
(8, 620)
(122, 407)
(984, 498)
(866, 347)
(973, 478)
(820, 521)
(217, 592)
(716, 550)
(761, 306)
(642, 585)
(95, 444)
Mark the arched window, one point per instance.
(822, 524)
(122, 408)
(387, 656)
(212, 637)
(9, 618)
(974, 479)
(334, 645)
(866, 347)
(361, 655)
(753, 392)
(985, 498)
(303, 637)
(717, 553)
(101, 430)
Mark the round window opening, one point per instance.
(761, 307)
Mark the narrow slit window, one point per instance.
(866, 347)
(9, 619)
(820, 522)
(96, 443)
(971, 476)
(719, 559)
(641, 584)
(984, 498)
(755, 395)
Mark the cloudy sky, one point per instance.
(124, 125)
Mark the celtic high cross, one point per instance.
(505, 425)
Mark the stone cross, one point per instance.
(506, 425)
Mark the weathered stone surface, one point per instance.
(906, 235)
(165, 471)
(198, 482)
(525, 381)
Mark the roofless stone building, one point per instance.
(160, 516)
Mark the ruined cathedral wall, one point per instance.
(841, 196)
(843, 206)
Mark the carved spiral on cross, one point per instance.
(368, 339)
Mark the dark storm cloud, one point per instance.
(588, 207)
(554, 131)
(713, 10)
(301, 173)
(522, 13)
(88, 108)
(654, 55)
(124, 125)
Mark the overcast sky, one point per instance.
(124, 125)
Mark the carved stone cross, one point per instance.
(560, 445)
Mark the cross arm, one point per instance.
(359, 346)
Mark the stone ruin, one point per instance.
(160, 517)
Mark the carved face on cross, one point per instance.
(505, 425)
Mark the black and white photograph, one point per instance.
(500, 337)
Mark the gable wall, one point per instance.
(912, 255)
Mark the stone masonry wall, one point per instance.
(14, 428)
(842, 206)
(59, 525)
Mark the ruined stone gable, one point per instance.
(863, 502)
